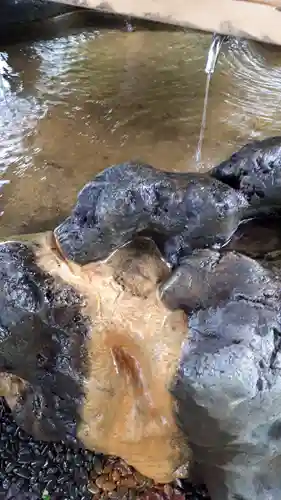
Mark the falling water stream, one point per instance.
(198, 155)
(212, 57)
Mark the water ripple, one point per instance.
(253, 73)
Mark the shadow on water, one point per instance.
(72, 21)
(86, 93)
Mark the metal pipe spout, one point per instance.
(214, 52)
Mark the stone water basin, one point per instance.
(89, 98)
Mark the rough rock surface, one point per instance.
(257, 237)
(42, 338)
(87, 354)
(208, 278)
(179, 211)
(227, 389)
(255, 171)
(156, 366)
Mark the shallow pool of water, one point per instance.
(81, 101)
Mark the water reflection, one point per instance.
(254, 88)
(85, 100)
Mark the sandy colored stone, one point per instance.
(131, 353)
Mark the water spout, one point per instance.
(213, 52)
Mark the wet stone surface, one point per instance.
(255, 170)
(233, 307)
(37, 319)
(131, 198)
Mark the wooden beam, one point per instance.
(254, 19)
(271, 3)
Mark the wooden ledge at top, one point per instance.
(255, 19)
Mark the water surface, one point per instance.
(82, 100)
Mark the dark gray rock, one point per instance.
(179, 211)
(227, 389)
(207, 278)
(257, 237)
(255, 170)
(42, 336)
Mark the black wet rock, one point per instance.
(194, 492)
(255, 170)
(207, 278)
(42, 337)
(179, 211)
(227, 388)
(257, 237)
(29, 467)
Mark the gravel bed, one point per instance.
(36, 470)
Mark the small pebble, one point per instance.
(94, 489)
(98, 465)
(108, 468)
(101, 480)
(108, 486)
(168, 490)
(115, 476)
(129, 482)
(122, 492)
(132, 495)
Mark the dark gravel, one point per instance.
(29, 467)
